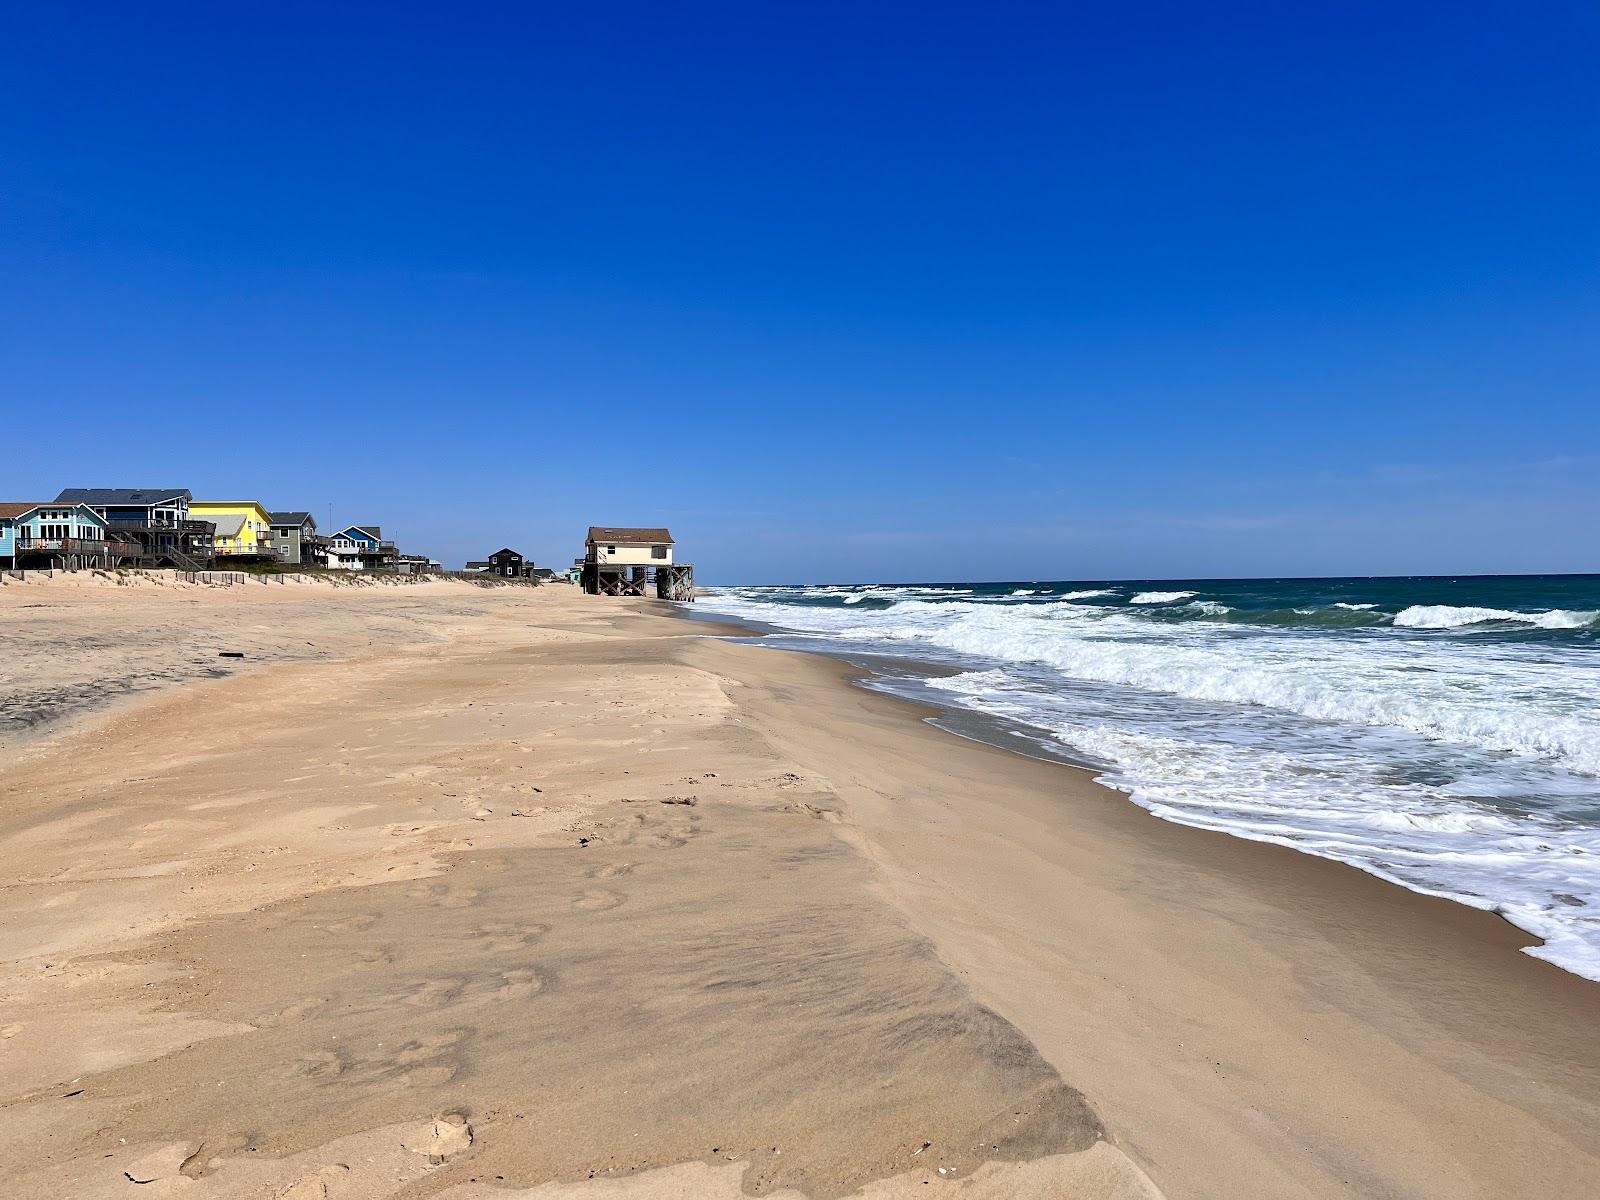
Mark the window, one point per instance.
(658, 551)
(611, 549)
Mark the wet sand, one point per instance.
(559, 896)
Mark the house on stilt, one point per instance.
(623, 560)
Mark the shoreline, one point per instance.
(1349, 956)
(1550, 919)
(1017, 737)
(1400, 953)
(565, 855)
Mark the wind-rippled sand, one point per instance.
(469, 907)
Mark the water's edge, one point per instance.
(907, 677)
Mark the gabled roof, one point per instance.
(506, 550)
(140, 496)
(229, 524)
(372, 531)
(10, 510)
(611, 534)
(292, 518)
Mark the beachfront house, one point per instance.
(624, 560)
(243, 527)
(508, 563)
(295, 540)
(627, 546)
(157, 518)
(361, 548)
(61, 536)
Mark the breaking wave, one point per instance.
(1159, 597)
(1446, 616)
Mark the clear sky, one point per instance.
(837, 291)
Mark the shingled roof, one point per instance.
(628, 535)
(291, 518)
(103, 496)
(11, 509)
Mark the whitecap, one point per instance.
(1448, 616)
(1159, 597)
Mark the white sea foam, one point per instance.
(1159, 597)
(1448, 616)
(1444, 762)
(1354, 607)
(1091, 594)
(1025, 592)
(1334, 796)
(1458, 694)
(1210, 608)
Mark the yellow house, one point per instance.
(244, 527)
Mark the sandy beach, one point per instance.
(443, 890)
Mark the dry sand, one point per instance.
(514, 892)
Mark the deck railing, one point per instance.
(201, 527)
(68, 545)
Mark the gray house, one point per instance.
(295, 536)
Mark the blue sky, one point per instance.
(865, 292)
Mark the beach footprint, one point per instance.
(444, 895)
(599, 900)
(295, 1012)
(504, 937)
(356, 924)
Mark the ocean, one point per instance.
(1442, 733)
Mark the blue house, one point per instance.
(361, 548)
(60, 536)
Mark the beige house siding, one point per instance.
(632, 554)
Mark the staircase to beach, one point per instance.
(183, 560)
